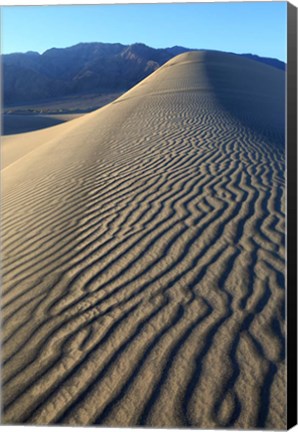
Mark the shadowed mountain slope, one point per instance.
(84, 68)
(143, 256)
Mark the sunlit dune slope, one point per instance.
(143, 256)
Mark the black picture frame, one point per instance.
(291, 214)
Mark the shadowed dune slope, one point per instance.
(143, 256)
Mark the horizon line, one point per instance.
(139, 43)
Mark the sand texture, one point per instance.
(143, 256)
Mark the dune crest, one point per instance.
(144, 254)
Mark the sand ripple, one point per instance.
(143, 256)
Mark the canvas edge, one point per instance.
(291, 215)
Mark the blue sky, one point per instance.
(255, 27)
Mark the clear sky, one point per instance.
(257, 27)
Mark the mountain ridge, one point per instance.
(86, 67)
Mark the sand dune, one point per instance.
(143, 256)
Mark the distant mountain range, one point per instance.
(86, 67)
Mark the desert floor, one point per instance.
(17, 123)
(31, 116)
(143, 255)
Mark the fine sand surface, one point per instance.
(143, 256)
(19, 123)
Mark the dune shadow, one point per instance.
(251, 92)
